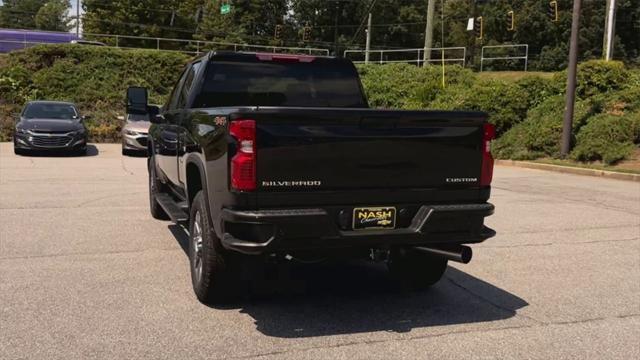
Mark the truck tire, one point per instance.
(213, 270)
(155, 187)
(415, 270)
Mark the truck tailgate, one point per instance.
(332, 149)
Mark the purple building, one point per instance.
(11, 39)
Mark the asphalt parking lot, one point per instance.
(85, 272)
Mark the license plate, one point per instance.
(374, 218)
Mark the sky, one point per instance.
(73, 6)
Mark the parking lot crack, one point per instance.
(560, 243)
(85, 254)
(124, 167)
(432, 336)
(104, 198)
(587, 228)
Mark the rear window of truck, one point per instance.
(320, 83)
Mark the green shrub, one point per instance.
(406, 86)
(541, 133)
(389, 86)
(608, 138)
(505, 102)
(538, 89)
(95, 78)
(14, 85)
(596, 77)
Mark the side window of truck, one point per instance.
(175, 94)
(188, 84)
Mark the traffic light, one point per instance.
(278, 33)
(511, 21)
(306, 34)
(552, 11)
(478, 27)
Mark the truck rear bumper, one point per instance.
(268, 231)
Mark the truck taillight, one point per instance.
(489, 133)
(243, 163)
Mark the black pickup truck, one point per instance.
(279, 157)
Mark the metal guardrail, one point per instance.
(508, 57)
(417, 55)
(179, 45)
(198, 46)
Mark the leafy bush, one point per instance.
(541, 133)
(405, 86)
(596, 77)
(95, 78)
(505, 102)
(608, 138)
(527, 112)
(538, 89)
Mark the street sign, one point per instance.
(225, 9)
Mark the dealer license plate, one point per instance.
(365, 218)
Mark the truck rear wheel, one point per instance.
(212, 269)
(155, 187)
(415, 270)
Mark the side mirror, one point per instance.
(154, 114)
(158, 119)
(153, 110)
(137, 99)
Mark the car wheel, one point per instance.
(81, 152)
(18, 151)
(415, 270)
(214, 272)
(125, 152)
(155, 187)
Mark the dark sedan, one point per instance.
(50, 125)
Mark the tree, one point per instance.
(252, 22)
(218, 27)
(52, 16)
(19, 14)
(338, 24)
(333, 23)
(149, 18)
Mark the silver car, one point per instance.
(134, 134)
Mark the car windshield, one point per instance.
(50, 111)
(138, 117)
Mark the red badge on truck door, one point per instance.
(220, 120)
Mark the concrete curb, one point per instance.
(570, 170)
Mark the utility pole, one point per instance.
(77, 18)
(428, 31)
(609, 29)
(368, 46)
(571, 80)
(472, 50)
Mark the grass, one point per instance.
(512, 75)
